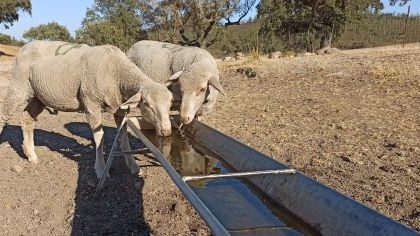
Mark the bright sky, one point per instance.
(67, 13)
(71, 13)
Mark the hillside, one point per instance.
(372, 31)
(8, 50)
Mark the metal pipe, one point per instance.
(213, 223)
(139, 151)
(110, 157)
(240, 174)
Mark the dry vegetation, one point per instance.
(350, 120)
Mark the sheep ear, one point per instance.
(213, 81)
(131, 102)
(174, 78)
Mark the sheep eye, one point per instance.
(146, 104)
(202, 90)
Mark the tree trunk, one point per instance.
(326, 39)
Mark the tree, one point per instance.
(9, 10)
(49, 31)
(309, 21)
(115, 22)
(103, 32)
(402, 2)
(190, 22)
(9, 40)
(5, 39)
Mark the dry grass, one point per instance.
(349, 120)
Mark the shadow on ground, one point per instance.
(118, 210)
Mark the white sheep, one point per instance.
(91, 80)
(198, 86)
(30, 53)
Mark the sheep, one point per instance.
(34, 51)
(91, 80)
(196, 88)
(26, 56)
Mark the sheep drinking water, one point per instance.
(91, 80)
(196, 88)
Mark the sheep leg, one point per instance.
(125, 146)
(29, 115)
(94, 119)
(16, 96)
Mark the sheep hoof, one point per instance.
(33, 160)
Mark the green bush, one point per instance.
(5, 39)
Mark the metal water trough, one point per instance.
(324, 209)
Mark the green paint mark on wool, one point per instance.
(73, 45)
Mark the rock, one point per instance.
(17, 169)
(239, 55)
(332, 51)
(35, 212)
(248, 71)
(322, 51)
(345, 158)
(274, 55)
(228, 59)
(327, 50)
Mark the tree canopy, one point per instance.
(9, 10)
(114, 22)
(305, 23)
(401, 2)
(49, 31)
(190, 22)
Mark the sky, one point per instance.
(71, 13)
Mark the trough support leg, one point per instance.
(104, 175)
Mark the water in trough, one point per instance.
(241, 208)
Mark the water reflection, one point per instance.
(188, 159)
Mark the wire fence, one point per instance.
(381, 30)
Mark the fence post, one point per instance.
(405, 27)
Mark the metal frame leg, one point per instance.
(111, 156)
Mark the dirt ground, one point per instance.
(350, 120)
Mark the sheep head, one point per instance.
(194, 90)
(154, 101)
